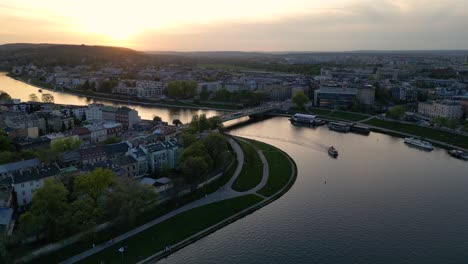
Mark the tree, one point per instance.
(127, 200)
(48, 207)
(216, 123)
(112, 140)
(194, 169)
(216, 146)
(187, 139)
(176, 122)
(4, 96)
(181, 89)
(157, 119)
(94, 184)
(64, 144)
(204, 94)
(33, 97)
(300, 99)
(47, 98)
(396, 112)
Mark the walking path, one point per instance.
(226, 192)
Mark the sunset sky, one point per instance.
(248, 25)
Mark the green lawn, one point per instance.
(279, 168)
(252, 170)
(425, 132)
(173, 230)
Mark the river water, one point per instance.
(379, 202)
(383, 202)
(20, 90)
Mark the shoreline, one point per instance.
(250, 210)
(98, 97)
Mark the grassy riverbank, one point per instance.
(279, 168)
(173, 230)
(348, 116)
(424, 132)
(252, 170)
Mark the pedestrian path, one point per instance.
(225, 192)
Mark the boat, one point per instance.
(340, 127)
(306, 119)
(419, 143)
(458, 154)
(332, 152)
(360, 129)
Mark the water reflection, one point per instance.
(21, 90)
(384, 202)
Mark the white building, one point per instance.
(94, 113)
(26, 182)
(447, 109)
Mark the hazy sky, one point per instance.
(250, 25)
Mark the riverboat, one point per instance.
(360, 129)
(340, 127)
(306, 119)
(458, 154)
(419, 143)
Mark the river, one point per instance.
(383, 202)
(20, 90)
(379, 202)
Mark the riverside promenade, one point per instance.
(225, 192)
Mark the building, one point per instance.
(161, 154)
(149, 89)
(366, 94)
(447, 109)
(94, 113)
(278, 92)
(334, 95)
(25, 182)
(93, 155)
(127, 117)
(109, 113)
(6, 170)
(98, 133)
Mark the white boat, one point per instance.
(419, 143)
(307, 119)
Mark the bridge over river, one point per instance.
(251, 111)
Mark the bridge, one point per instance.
(251, 111)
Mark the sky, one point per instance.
(241, 25)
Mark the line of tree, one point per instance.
(243, 96)
(181, 89)
(73, 204)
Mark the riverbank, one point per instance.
(440, 138)
(192, 230)
(122, 99)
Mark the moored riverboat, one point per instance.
(340, 127)
(416, 142)
(458, 154)
(360, 129)
(306, 119)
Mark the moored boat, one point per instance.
(340, 127)
(306, 119)
(419, 143)
(458, 154)
(360, 129)
(332, 152)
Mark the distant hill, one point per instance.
(53, 54)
